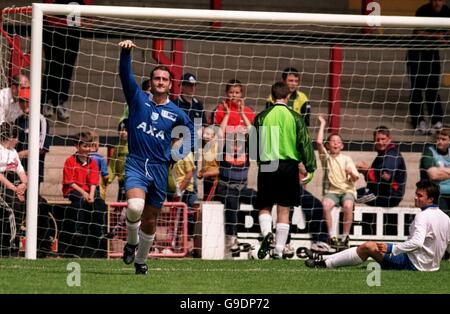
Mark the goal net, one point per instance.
(357, 80)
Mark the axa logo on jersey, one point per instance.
(151, 130)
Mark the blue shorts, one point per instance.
(397, 262)
(149, 177)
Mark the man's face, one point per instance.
(293, 82)
(421, 199)
(382, 141)
(437, 5)
(442, 142)
(187, 89)
(161, 83)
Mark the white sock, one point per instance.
(145, 243)
(348, 257)
(132, 232)
(265, 223)
(281, 237)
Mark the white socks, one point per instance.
(145, 243)
(132, 235)
(265, 223)
(281, 237)
(348, 257)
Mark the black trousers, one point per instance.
(424, 69)
(231, 195)
(61, 46)
(83, 226)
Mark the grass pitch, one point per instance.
(207, 277)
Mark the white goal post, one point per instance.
(39, 10)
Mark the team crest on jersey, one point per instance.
(168, 115)
(155, 116)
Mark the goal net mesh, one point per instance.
(81, 87)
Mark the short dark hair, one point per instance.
(84, 138)
(279, 91)
(431, 188)
(383, 130)
(8, 131)
(288, 71)
(162, 68)
(444, 131)
(233, 82)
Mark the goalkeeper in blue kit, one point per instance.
(152, 119)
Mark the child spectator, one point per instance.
(181, 182)
(208, 164)
(116, 168)
(86, 215)
(239, 113)
(116, 164)
(13, 184)
(338, 183)
(101, 164)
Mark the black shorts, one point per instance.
(281, 187)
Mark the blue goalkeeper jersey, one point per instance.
(150, 125)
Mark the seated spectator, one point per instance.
(9, 96)
(298, 101)
(386, 177)
(101, 163)
(23, 123)
(435, 166)
(85, 218)
(13, 184)
(339, 179)
(208, 164)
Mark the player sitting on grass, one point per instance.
(423, 250)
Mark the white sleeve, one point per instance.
(416, 241)
(20, 168)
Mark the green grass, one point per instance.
(204, 277)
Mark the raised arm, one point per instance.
(320, 135)
(241, 106)
(130, 88)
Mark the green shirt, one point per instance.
(282, 135)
